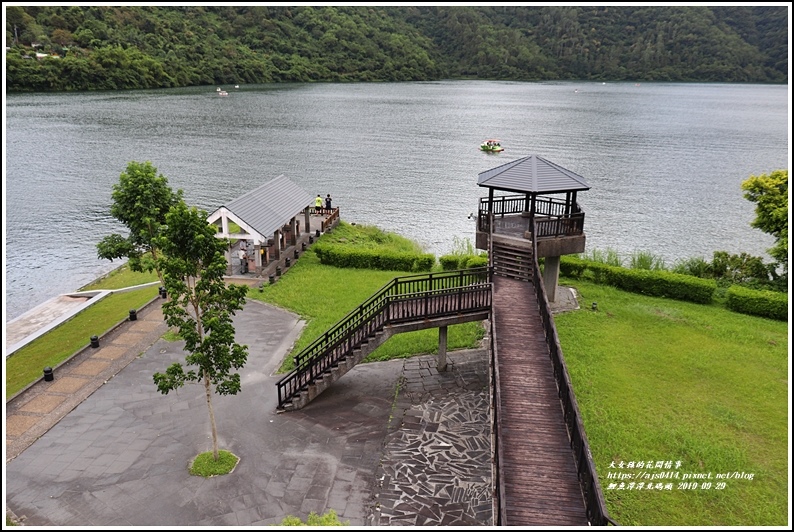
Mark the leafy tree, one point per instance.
(141, 200)
(770, 194)
(739, 269)
(201, 307)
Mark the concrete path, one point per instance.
(120, 456)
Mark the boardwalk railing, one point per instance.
(404, 299)
(553, 217)
(499, 508)
(588, 479)
(329, 222)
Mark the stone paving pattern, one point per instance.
(436, 466)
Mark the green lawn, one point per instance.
(664, 380)
(121, 277)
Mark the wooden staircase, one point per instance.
(512, 257)
(405, 304)
(335, 372)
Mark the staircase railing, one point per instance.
(403, 299)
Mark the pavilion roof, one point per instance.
(532, 174)
(268, 207)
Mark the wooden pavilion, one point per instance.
(554, 220)
(267, 217)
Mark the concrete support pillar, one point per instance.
(293, 229)
(551, 273)
(307, 219)
(441, 359)
(277, 246)
(228, 255)
(258, 252)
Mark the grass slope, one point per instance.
(664, 380)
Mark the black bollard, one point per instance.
(48, 376)
(133, 314)
(311, 239)
(287, 262)
(164, 293)
(94, 341)
(296, 254)
(303, 246)
(278, 270)
(317, 233)
(272, 278)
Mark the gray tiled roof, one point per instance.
(272, 205)
(532, 174)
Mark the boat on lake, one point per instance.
(223, 93)
(492, 145)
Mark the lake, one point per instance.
(664, 160)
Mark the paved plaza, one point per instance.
(119, 457)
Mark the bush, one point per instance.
(572, 267)
(696, 267)
(645, 260)
(764, 303)
(476, 261)
(661, 284)
(449, 262)
(343, 256)
(658, 283)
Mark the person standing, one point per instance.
(318, 205)
(243, 260)
(328, 204)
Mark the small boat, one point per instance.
(218, 89)
(223, 93)
(236, 86)
(492, 145)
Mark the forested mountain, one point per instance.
(132, 47)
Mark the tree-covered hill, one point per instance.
(132, 47)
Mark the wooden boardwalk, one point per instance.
(537, 466)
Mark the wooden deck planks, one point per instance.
(538, 468)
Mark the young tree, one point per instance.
(141, 200)
(201, 307)
(770, 194)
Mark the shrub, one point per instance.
(764, 303)
(572, 266)
(449, 262)
(476, 261)
(645, 260)
(343, 256)
(696, 267)
(609, 257)
(660, 284)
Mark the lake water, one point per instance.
(664, 160)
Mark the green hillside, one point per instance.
(134, 47)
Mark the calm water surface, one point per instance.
(665, 161)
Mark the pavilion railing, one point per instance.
(553, 216)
